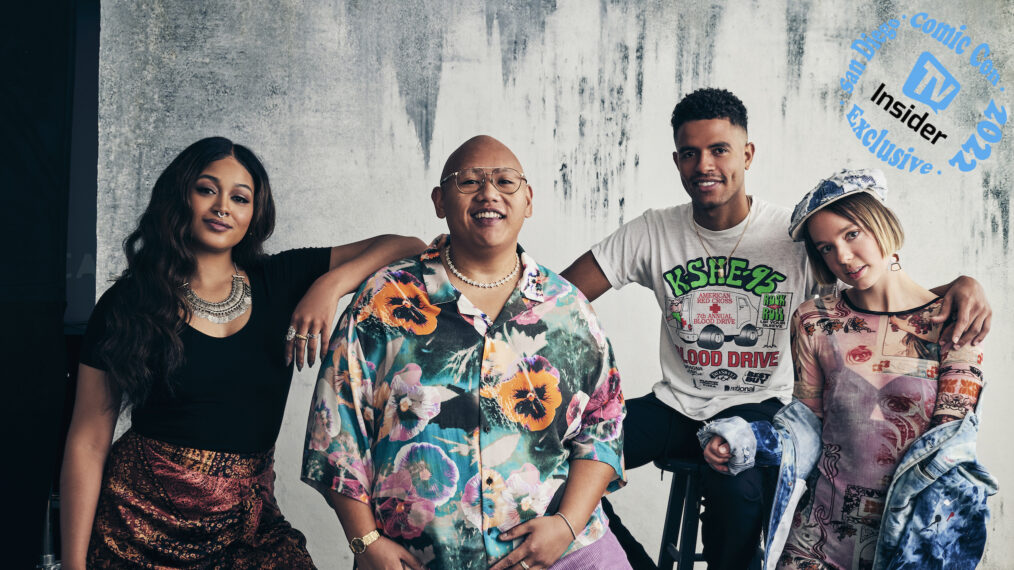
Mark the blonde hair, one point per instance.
(867, 212)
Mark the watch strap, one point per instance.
(359, 543)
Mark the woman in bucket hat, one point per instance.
(877, 398)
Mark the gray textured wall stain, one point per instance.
(996, 189)
(410, 36)
(521, 24)
(562, 184)
(642, 32)
(796, 24)
(695, 43)
(606, 104)
(885, 10)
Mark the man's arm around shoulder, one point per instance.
(587, 276)
(965, 300)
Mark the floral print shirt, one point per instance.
(455, 427)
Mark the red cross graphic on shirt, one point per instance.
(715, 307)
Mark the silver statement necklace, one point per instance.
(482, 284)
(237, 303)
(721, 270)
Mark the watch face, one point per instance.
(357, 545)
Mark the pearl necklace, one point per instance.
(482, 284)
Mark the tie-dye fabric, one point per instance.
(455, 427)
(936, 515)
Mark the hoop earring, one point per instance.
(896, 264)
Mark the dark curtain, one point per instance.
(36, 96)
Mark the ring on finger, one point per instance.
(312, 335)
(300, 336)
(523, 565)
(290, 334)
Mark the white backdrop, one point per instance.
(354, 105)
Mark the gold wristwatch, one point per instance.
(359, 543)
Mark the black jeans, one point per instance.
(735, 508)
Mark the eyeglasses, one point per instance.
(469, 181)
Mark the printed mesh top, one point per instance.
(453, 427)
(878, 381)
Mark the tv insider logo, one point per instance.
(916, 120)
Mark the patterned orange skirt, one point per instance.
(166, 506)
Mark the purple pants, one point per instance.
(605, 554)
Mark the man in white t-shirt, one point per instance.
(728, 278)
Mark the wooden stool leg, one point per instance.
(673, 516)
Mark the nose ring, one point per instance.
(220, 213)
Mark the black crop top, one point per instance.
(229, 394)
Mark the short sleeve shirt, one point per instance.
(726, 298)
(456, 427)
(229, 394)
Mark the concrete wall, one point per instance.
(353, 106)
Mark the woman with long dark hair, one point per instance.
(198, 335)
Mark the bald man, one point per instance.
(469, 413)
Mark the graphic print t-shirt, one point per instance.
(724, 331)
